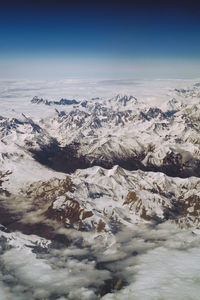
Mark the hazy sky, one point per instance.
(100, 38)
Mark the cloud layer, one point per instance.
(144, 263)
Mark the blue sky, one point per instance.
(99, 38)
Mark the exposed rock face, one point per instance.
(87, 202)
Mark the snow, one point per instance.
(149, 233)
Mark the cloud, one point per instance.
(38, 275)
(166, 268)
(149, 262)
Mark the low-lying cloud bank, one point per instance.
(144, 262)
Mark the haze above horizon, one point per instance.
(113, 39)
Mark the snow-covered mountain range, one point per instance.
(88, 171)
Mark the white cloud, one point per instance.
(156, 263)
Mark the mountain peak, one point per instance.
(124, 99)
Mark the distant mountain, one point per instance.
(62, 101)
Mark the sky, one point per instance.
(107, 39)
